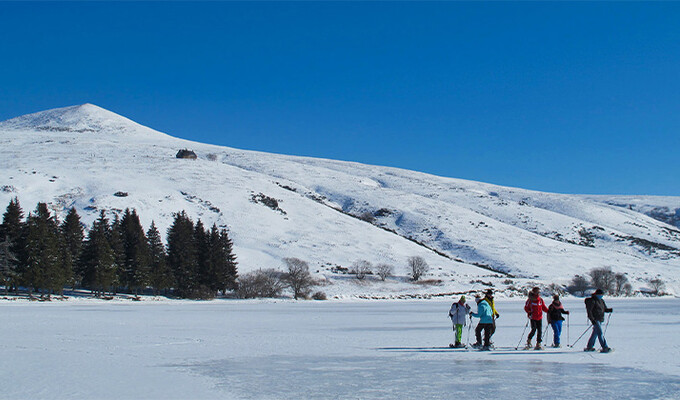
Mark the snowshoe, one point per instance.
(589, 349)
(556, 346)
(451, 345)
(476, 345)
(538, 347)
(485, 348)
(606, 350)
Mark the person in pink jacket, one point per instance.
(535, 307)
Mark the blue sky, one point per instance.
(563, 97)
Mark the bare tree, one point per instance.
(620, 281)
(260, 283)
(603, 278)
(361, 268)
(417, 267)
(298, 277)
(384, 270)
(657, 285)
(579, 284)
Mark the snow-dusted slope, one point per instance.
(88, 157)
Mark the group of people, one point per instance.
(534, 307)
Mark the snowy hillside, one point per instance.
(93, 159)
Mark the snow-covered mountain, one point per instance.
(333, 213)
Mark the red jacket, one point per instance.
(535, 307)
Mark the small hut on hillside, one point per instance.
(186, 153)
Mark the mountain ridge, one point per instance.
(332, 213)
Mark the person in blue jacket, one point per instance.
(485, 315)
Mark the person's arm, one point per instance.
(605, 307)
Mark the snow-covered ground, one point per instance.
(86, 349)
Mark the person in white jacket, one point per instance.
(458, 314)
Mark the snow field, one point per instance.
(322, 350)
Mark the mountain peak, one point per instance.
(83, 118)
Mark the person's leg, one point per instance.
(539, 329)
(533, 331)
(600, 336)
(557, 332)
(487, 334)
(478, 333)
(594, 335)
(459, 332)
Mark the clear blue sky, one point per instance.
(563, 97)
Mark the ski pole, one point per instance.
(468, 333)
(545, 332)
(579, 338)
(567, 328)
(522, 337)
(607, 324)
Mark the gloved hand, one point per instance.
(567, 312)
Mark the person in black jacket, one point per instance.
(555, 318)
(596, 308)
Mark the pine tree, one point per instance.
(13, 230)
(115, 237)
(8, 264)
(97, 258)
(222, 261)
(136, 250)
(160, 275)
(202, 255)
(72, 233)
(43, 267)
(182, 258)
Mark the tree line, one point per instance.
(44, 255)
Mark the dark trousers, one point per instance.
(536, 327)
(487, 328)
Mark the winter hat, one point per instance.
(536, 290)
(489, 292)
(598, 291)
(478, 298)
(462, 299)
(556, 297)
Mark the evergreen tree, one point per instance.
(115, 236)
(8, 264)
(72, 233)
(13, 230)
(136, 250)
(97, 258)
(160, 276)
(182, 258)
(202, 255)
(222, 261)
(43, 266)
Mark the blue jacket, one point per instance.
(484, 313)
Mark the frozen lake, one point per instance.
(322, 350)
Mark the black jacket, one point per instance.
(555, 312)
(596, 308)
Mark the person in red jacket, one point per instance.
(535, 307)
